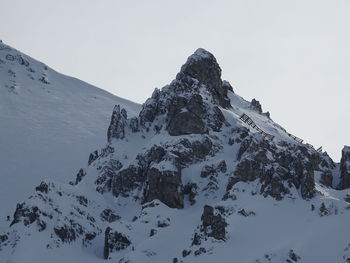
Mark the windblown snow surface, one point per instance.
(49, 123)
(260, 229)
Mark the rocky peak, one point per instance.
(202, 66)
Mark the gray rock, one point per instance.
(213, 225)
(165, 186)
(109, 215)
(294, 165)
(344, 169)
(213, 170)
(116, 129)
(203, 67)
(92, 157)
(114, 241)
(134, 124)
(66, 233)
(255, 105)
(186, 123)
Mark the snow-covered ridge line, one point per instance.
(185, 180)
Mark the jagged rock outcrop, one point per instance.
(203, 67)
(79, 177)
(345, 169)
(28, 215)
(188, 121)
(255, 105)
(116, 129)
(114, 241)
(165, 186)
(277, 170)
(213, 225)
(92, 157)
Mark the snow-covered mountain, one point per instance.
(49, 123)
(199, 175)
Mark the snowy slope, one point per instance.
(49, 123)
(187, 181)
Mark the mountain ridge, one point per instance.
(45, 116)
(187, 180)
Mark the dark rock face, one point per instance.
(43, 187)
(80, 175)
(292, 166)
(186, 123)
(345, 169)
(114, 241)
(65, 233)
(181, 104)
(28, 215)
(107, 174)
(116, 129)
(214, 225)
(165, 186)
(203, 67)
(193, 151)
(92, 157)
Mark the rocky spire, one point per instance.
(118, 123)
(345, 169)
(203, 66)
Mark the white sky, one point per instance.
(293, 56)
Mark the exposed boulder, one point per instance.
(345, 169)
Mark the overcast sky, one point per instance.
(293, 56)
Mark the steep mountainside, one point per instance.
(200, 175)
(48, 124)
